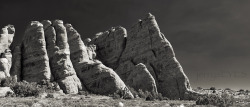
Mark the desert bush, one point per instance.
(148, 96)
(25, 89)
(49, 87)
(199, 88)
(224, 100)
(133, 91)
(212, 88)
(7, 81)
(86, 93)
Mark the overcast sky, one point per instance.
(211, 38)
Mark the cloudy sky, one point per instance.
(211, 38)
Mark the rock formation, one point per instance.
(6, 38)
(142, 59)
(110, 45)
(137, 77)
(35, 61)
(95, 76)
(16, 69)
(144, 45)
(59, 55)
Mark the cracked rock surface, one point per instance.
(141, 58)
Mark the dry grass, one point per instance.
(87, 101)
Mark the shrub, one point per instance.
(224, 100)
(199, 88)
(83, 93)
(25, 89)
(133, 91)
(212, 88)
(7, 81)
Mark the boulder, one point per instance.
(146, 44)
(137, 76)
(100, 79)
(4, 91)
(59, 55)
(35, 61)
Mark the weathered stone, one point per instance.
(4, 91)
(35, 61)
(110, 45)
(59, 54)
(11, 33)
(4, 67)
(91, 49)
(96, 77)
(146, 44)
(137, 76)
(100, 79)
(4, 40)
(15, 70)
(78, 51)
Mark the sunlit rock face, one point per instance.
(144, 44)
(35, 61)
(6, 38)
(59, 57)
(140, 57)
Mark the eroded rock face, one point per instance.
(101, 80)
(137, 76)
(142, 59)
(35, 61)
(147, 45)
(15, 70)
(78, 50)
(59, 54)
(144, 49)
(96, 77)
(110, 45)
(6, 38)
(4, 68)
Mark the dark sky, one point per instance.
(211, 38)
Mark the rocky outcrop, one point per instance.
(100, 79)
(16, 69)
(4, 67)
(78, 50)
(142, 59)
(137, 77)
(110, 45)
(59, 55)
(6, 38)
(96, 77)
(145, 51)
(146, 44)
(35, 61)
